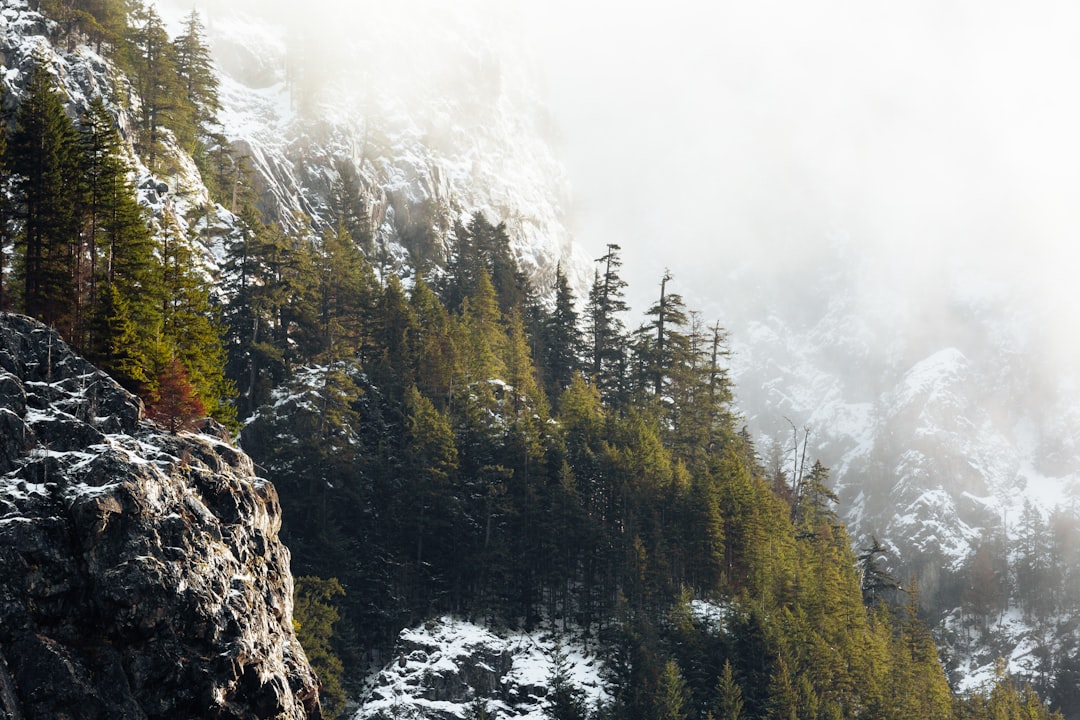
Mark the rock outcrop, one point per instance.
(141, 575)
(441, 668)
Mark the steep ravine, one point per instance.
(141, 575)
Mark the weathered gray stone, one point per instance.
(141, 575)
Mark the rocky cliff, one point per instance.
(141, 575)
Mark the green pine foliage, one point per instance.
(43, 158)
(454, 445)
(315, 614)
(5, 217)
(626, 507)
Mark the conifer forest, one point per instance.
(447, 437)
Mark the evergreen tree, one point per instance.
(43, 157)
(431, 345)
(670, 348)
(347, 291)
(564, 700)
(783, 696)
(482, 337)
(162, 98)
(434, 458)
(5, 216)
(315, 614)
(120, 249)
(349, 208)
(197, 78)
(560, 339)
(605, 327)
(877, 584)
(189, 328)
(478, 709)
(525, 392)
(729, 702)
(672, 698)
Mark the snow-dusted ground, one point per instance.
(440, 668)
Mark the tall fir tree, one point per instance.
(190, 329)
(605, 326)
(162, 98)
(560, 339)
(119, 244)
(197, 79)
(669, 349)
(43, 157)
(5, 216)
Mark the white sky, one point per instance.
(710, 137)
(719, 133)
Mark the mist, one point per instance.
(752, 147)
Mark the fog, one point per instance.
(757, 143)
(733, 132)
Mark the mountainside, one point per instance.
(446, 445)
(424, 132)
(952, 438)
(142, 572)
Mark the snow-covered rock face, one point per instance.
(24, 39)
(939, 414)
(440, 668)
(141, 574)
(438, 118)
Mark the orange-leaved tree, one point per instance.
(175, 403)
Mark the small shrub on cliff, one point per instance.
(175, 403)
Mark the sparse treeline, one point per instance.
(458, 445)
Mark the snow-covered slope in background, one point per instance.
(940, 411)
(439, 121)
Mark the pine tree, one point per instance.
(605, 327)
(877, 584)
(672, 698)
(162, 97)
(564, 700)
(315, 613)
(783, 696)
(120, 248)
(197, 78)
(560, 339)
(433, 456)
(189, 328)
(44, 162)
(520, 371)
(431, 345)
(347, 291)
(670, 348)
(5, 216)
(349, 208)
(482, 337)
(729, 702)
(478, 709)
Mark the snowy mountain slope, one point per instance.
(939, 413)
(437, 118)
